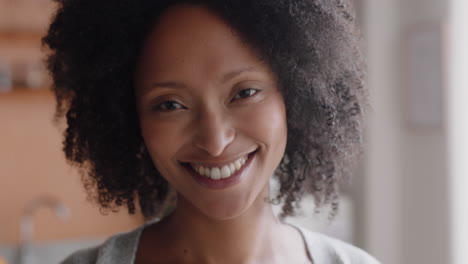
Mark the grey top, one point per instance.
(121, 248)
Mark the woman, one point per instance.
(210, 99)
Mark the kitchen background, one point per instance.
(407, 202)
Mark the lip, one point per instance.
(221, 183)
(219, 163)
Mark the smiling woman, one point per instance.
(212, 118)
(211, 99)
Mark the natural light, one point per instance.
(458, 129)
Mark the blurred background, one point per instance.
(408, 202)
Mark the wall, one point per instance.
(458, 129)
(406, 191)
(381, 224)
(425, 176)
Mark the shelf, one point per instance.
(21, 37)
(23, 91)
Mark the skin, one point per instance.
(195, 103)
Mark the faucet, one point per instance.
(27, 223)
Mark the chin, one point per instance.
(226, 210)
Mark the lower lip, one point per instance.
(221, 183)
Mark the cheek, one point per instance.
(267, 123)
(156, 135)
(162, 131)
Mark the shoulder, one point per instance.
(87, 255)
(325, 249)
(121, 247)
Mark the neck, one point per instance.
(253, 236)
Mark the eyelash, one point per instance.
(255, 91)
(160, 107)
(163, 106)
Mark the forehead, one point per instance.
(192, 40)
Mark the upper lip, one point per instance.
(217, 163)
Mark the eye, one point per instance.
(168, 106)
(244, 93)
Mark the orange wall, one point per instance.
(32, 164)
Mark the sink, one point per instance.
(47, 252)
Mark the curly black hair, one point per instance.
(311, 45)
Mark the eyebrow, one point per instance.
(232, 74)
(226, 77)
(169, 85)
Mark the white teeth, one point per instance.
(232, 169)
(225, 172)
(237, 165)
(207, 172)
(217, 173)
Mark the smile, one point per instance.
(220, 176)
(221, 172)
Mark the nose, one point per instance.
(213, 132)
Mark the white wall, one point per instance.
(425, 197)
(379, 228)
(406, 188)
(458, 129)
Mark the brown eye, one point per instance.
(168, 106)
(245, 93)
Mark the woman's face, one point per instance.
(211, 115)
